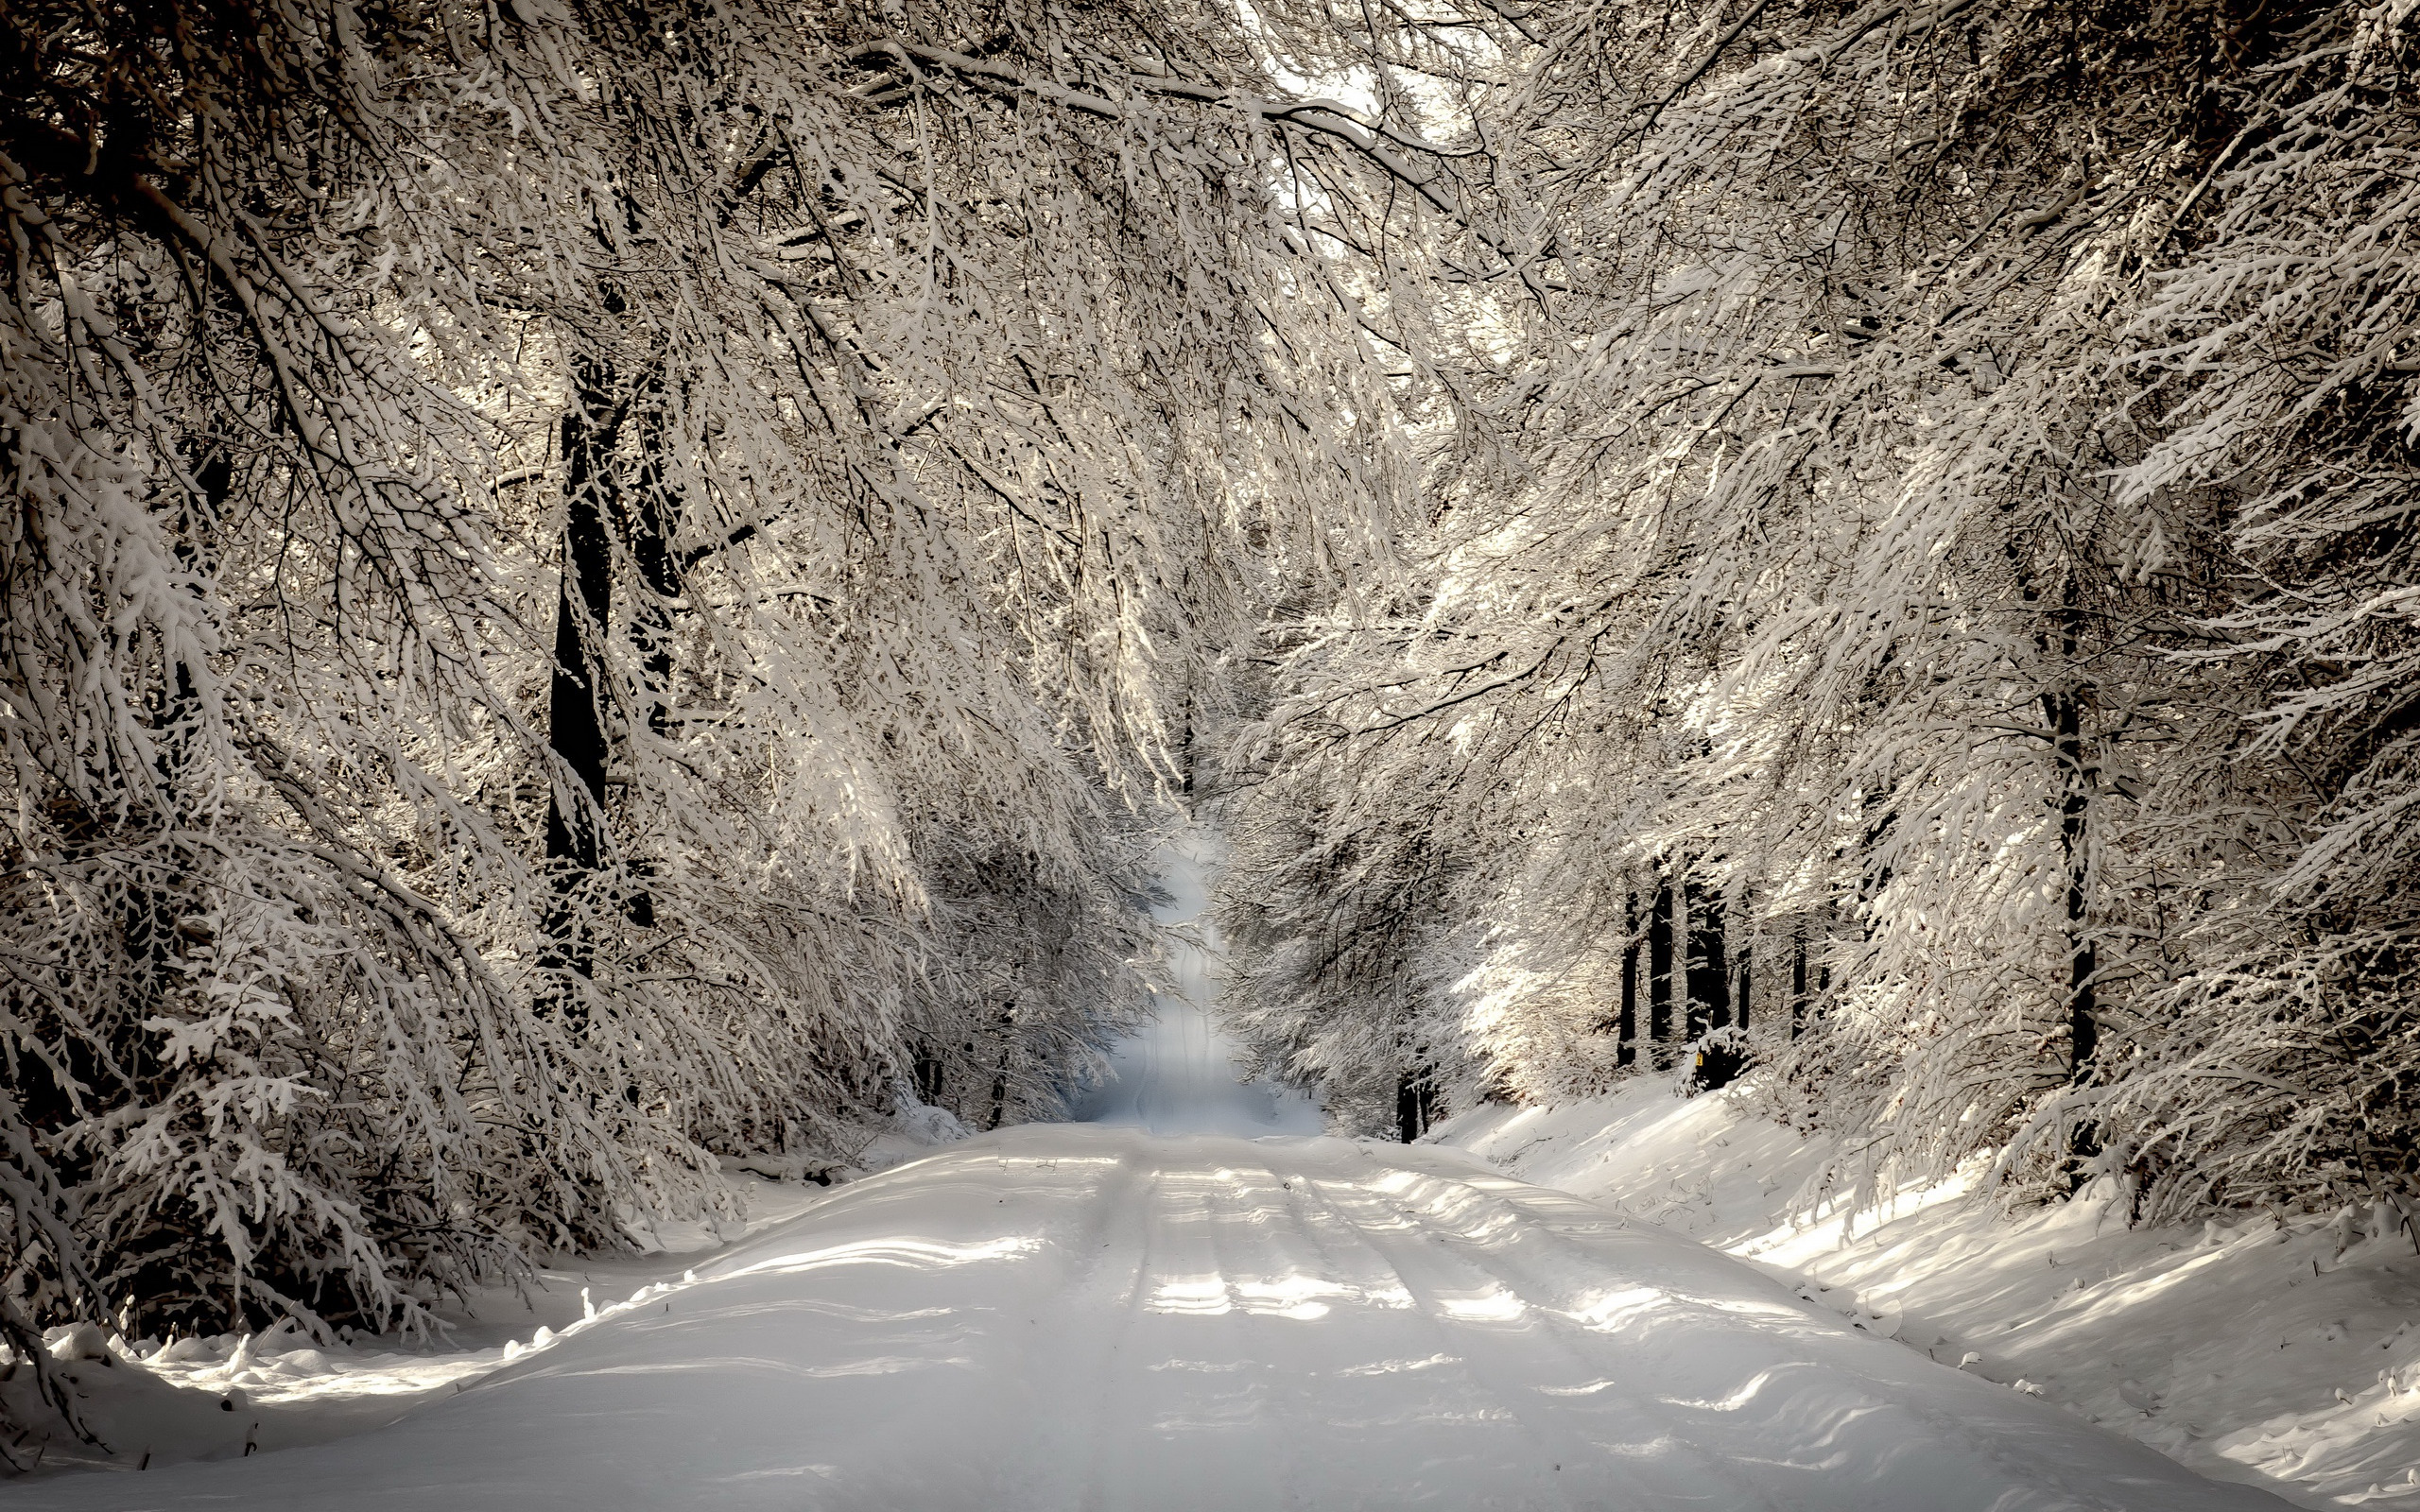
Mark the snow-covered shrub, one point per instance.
(1714, 1060)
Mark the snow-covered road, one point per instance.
(1090, 1317)
(1196, 1302)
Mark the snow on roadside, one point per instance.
(226, 1395)
(2282, 1354)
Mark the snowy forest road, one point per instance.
(1197, 1303)
(1083, 1318)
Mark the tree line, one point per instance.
(591, 588)
(1928, 562)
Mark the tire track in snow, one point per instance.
(1663, 1468)
(1876, 1411)
(1079, 1319)
(1188, 1386)
(1113, 1355)
(1070, 1353)
(1574, 1477)
(1245, 1271)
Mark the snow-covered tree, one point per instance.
(2276, 353)
(588, 586)
(1941, 500)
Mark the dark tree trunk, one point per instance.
(1798, 981)
(1709, 974)
(1415, 1104)
(2062, 709)
(649, 531)
(1626, 1044)
(1000, 1079)
(598, 517)
(1188, 741)
(1659, 975)
(583, 608)
(931, 1075)
(2075, 811)
(2065, 710)
(149, 914)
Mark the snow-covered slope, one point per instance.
(2283, 1355)
(224, 1397)
(1065, 1317)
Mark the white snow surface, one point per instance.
(1090, 1316)
(223, 1396)
(2284, 1354)
(1151, 1311)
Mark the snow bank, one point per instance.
(230, 1395)
(2283, 1355)
(1056, 1317)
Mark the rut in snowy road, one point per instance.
(1088, 1317)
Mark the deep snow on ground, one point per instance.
(225, 1397)
(1142, 1311)
(229, 1396)
(1072, 1316)
(2284, 1355)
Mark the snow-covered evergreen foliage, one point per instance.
(591, 585)
(1926, 568)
